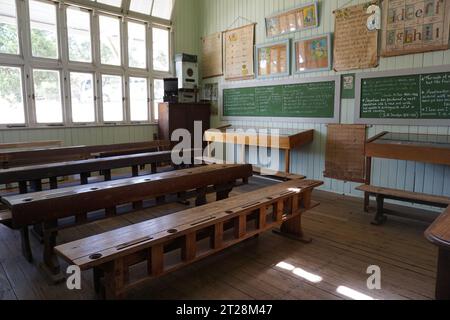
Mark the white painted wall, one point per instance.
(218, 15)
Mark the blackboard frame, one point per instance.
(394, 73)
(259, 83)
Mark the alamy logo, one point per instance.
(374, 281)
(74, 280)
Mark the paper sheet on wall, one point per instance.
(355, 47)
(239, 44)
(212, 54)
(414, 26)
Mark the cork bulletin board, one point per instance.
(345, 153)
(239, 57)
(212, 55)
(355, 46)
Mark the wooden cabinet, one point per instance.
(173, 116)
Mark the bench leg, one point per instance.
(443, 275)
(201, 197)
(380, 218)
(223, 191)
(51, 264)
(26, 246)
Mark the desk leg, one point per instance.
(443, 275)
(368, 178)
(51, 264)
(287, 161)
(24, 232)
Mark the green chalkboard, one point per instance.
(302, 100)
(418, 96)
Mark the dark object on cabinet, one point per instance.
(173, 116)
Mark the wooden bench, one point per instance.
(439, 234)
(51, 208)
(129, 256)
(84, 168)
(394, 194)
(10, 159)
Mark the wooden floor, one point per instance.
(269, 267)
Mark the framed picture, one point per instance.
(312, 54)
(301, 18)
(273, 59)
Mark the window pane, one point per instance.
(110, 40)
(115, 3)
(162, 9)
(138, 99)
(158, 95)
(44, 37)
(137, 51)
(160, 49)
(82, 97)
(9, 41)
(79, 35)
(47, 92)
(141, 6)
(11, 97)
(112, 98)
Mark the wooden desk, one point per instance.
(16, 158)
(406, 146)
(51, 206)
(288, 139)
(439, 234)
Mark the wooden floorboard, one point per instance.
(344, 245)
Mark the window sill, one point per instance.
(77, 126)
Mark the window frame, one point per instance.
(27, 63)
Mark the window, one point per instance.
(138, 99)
(115, 3)
(9, 41)
(141, 6)
(110, 40)
(44, 35)
(79, 35)
(47, 96)
(11, 96)
(112, 98)
(137, 48)
(82, 97)
(158, 95)
(162, 9)
(161, 49)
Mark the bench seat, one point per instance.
(382, 193)
(222, 224)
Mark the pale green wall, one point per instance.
(218, 15)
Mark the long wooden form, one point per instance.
(82, 167)
(439, 234)
(49, 207)
(402, 146)
(30, 145)
(9, 159)
(285, 140)
(198, 232)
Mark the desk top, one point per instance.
(431, 140)
(439, 231)
(261, 131)
(428, 148)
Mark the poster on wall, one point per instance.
(239, 44)
(273, 59)
(301, 18)
(355, 46)
(312, 54)
(212, 55)
(414, 26)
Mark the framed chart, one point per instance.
(273, 59)
(239, 53)
(301, 18)
(312, 54)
